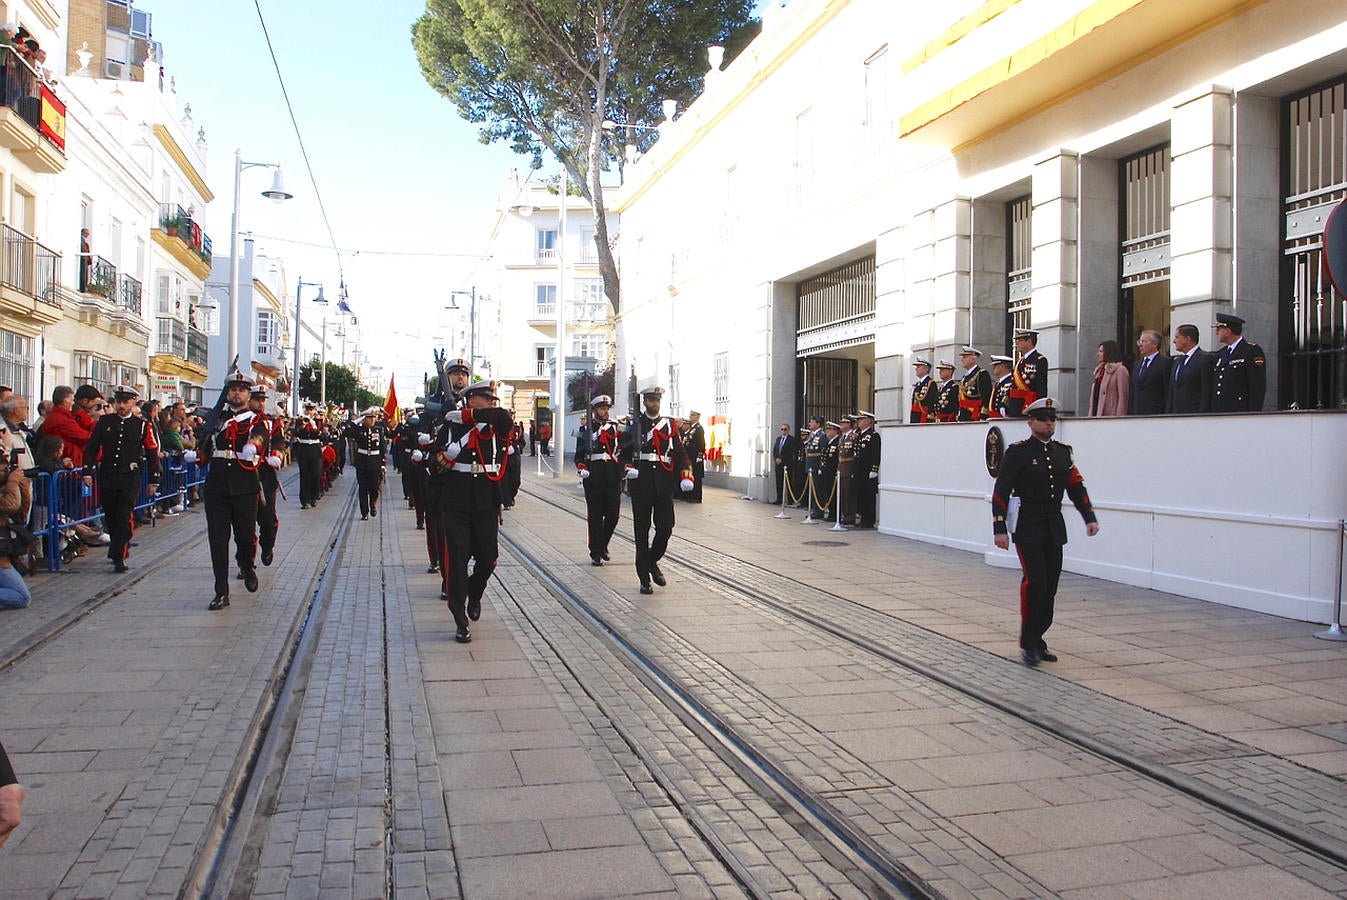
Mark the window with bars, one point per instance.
(720, 382)
(842, 295)
(95, 370)
(1019, 267)
(542, 358)
(16, 363)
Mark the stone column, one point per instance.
(1201, 190)
(1055, 314)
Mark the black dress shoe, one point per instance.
(364, 518)
(267, 557)
(595, 561)
(657, 576)
(420, 527)
(239, 576)
(646, 588)
(1047, 655)
(220, 602)
(463, 635)
(605, 556)
(444, 596)
(1029, 657)
(250, 580)
(373, 511)
(432, 568)
(119, 566)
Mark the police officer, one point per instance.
(470, 451)
(123, 447)
(655, 461)
(598, 451)
(694, 445)
(865, 472)
(1030, 374)
(269, 474)
(1239, 376)
(233, 453)
(923, 393)
(1005, 381)
(306, 442)
(1038, 470)
(369, 446)
(975, 387)
(947, 394)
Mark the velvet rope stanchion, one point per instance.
(785, 495)
(811, 497)
(837, 492)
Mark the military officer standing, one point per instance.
(975, 387)
(306, 443)
(1031, 373)
(655, 463)
(1005, 381)
(369, 444)
(846, 460)
(865, 473)
(1239, 376)
(947, 394)
(694, 445)
(470, 450)
(598, 449)
(923, 394)
(828, 487)
(121, 448)
(1038, 471)
(268, 524)
(233, 453)
(815, 486)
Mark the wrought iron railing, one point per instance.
(197, 343)
(22, 91)
(128, 293)
(171, 339)
(30, 267)
(180, 223)
(102, 278)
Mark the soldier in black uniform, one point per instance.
(1239, 375)
(846, 462)
(122, 446)
(369, 446)
(816, 489)
(598, 450)
(268, 474)
(975, 387)
(923, 393)
(457, 375)
(413, 471)
(1038, 471)
(233, 452)
(865, 471)
(470, 450)
(1030, 374)
(946, 407)
(652, 452)
(306, 444)
(1005, 381)
(828, 488)
(514, 467)
(694, 445)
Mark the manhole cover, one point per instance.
(825, 543)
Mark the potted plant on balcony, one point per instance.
(172, 224)
(100, 283)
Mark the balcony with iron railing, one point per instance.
(197, 343)
(32, 117)
(171, 339)
(100, 277)
(29, 267)
(128, 293)
(176, 222)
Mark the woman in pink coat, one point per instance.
(1108, 394)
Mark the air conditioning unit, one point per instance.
(115, 69)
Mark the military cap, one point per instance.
(833, 425)
(973, 350)
(459, 365)
(921, 361)
(480, 389)
(125, 392)
(1231, 321)
(1026, 333)
(851, 417)
(601, 400)
(692, 413)
(1007, 360)
(650, 389)
(260, 390)
(238, 379)
(371, 411)
(945, 364)
(1046, 408)
(865, 415)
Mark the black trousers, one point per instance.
(267, 523)
(368, 476)
(226, 513)
(468, 536)
(867, 498)
(118, 493)
(780, 477)
(310, 459)
(644, 511)
(603, 507)
(698, 474)
(1041, 564)
(430, 497)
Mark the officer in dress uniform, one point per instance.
(369, 446)
(1005, 382)
(233, 453)
(975, 387)
(846, 461)
(923, 393)
(827, 487)
(1239, 376)
(470, 451)
(1031, 374)
(865, 473)
(306, 443)
(656, 463)
(269, 474)
(947, 394)
(414, 470)
(815, 487)
(122, 446)
(1038, 470)
(694, 445)
(598, 452)
(457, 376)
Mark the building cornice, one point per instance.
(179, 156)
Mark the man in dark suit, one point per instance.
(1239, 374)
(1190, 381)
(1150, 377)
(784, 450)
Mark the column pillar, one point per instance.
(1056, 311)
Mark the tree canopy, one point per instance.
(544, 75)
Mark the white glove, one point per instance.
(425, 440)
(687, 484)
(452, 451)
(584, 473)
(417, 456)
(189, 457)
(249, 452)
(274, 461)
(874, 474)
(633, 474)
(455, 416)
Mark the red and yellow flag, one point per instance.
(392, 411)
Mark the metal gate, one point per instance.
(836, 309)
(1313, 315)
(1019, 268)
(1143, 302)
(827, 388)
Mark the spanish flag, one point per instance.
(392, 411)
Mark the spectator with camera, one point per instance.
(16, 498)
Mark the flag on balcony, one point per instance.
(391, 409)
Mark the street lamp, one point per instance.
(472, 322)
(277, 194)
(299, 325)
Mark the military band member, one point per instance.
(865, 473)
(1005, 381)
(269, 474)
(413, 470)
(428, 500)
(121, 449)
(828, 487)
(846, 460)
(947, 394)
(598, 450)
(1031, 373)
(306, 447)
(923, 393)
(233, 453)
(1239, 375)
(471, 451)
(694, 445)
(369, 446)
(652, 452)
(975, 387)
(514, 467)
(1038, 470)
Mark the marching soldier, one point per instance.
(269, 475)
(1239, 377)
(865, 472)
(694, 444)
(232, 485)
(1031, 374)
(457, 376)
(413, 472)
(598, 449)
(846, 460)
(655, 462)
(947, 394)
(923, 394)
(975, 387)
(1038, 470)
(122, 446)
(307, 448)
(470, 452)
(1005, 382)
(370, 446)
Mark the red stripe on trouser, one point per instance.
(1024, 588)
(444, 559)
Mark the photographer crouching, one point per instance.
(16, 498)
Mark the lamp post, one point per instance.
(299, 328)
(559, 406)
(472, 322)
(276, 194)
